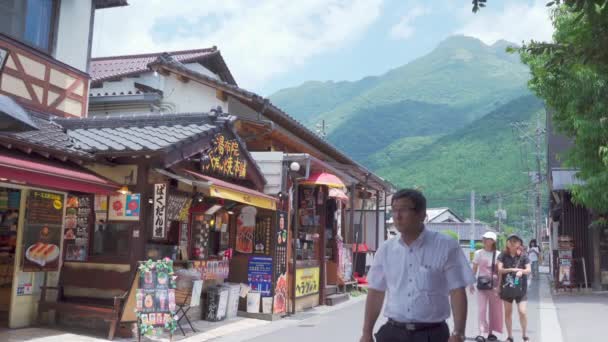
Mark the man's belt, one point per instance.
(414, 326)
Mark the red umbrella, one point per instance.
(324, 178)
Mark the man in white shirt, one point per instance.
(420, 271)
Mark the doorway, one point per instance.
(10, 200)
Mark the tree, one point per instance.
(571, 75)
(574, 85)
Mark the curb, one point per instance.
(550, 329)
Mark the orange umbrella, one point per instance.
(324, 178)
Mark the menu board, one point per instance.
(212, 269)
(262, 235)
(76, 227)
(280, 266)
(155, 299)
(175, 207)
(259, 275)
(42, 233)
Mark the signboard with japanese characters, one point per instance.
(224, 158)
(307, 281)
(259, 275)
(159, 230)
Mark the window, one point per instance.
(111, 239)
(31, 21)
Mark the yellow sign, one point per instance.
(242, 197)
(224, 158)
(57, 204)
(307, 281)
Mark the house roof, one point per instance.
(138, 133)
(462, 229)
(277, 115)
(48, 139)
(108, 68)
(563, 179)
(433, 213)
(100, 4)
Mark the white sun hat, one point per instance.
(489, 235)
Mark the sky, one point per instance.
(274, 44)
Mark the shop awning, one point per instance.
(338, 194)
(26, 170)
(221, 189)
(324, 178)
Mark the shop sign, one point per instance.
(42, 235)
(259, 275)
(280, 267)
(159, 230)
(307, 281)
(124, 207)
(155, 297)
(3, 57)
(245, 227)
(224, 158)
(76, 227)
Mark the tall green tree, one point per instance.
(571, 75)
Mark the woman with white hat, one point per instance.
(487, 286)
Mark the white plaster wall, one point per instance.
(190, 96)
(199, 68)
(73, 33)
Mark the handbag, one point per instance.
(513, 287)
(484, 282)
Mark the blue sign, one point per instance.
(259, 275)
(472, 245)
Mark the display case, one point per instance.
(309, 216)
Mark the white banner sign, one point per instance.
(160, 199)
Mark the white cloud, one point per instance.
(404, 28)
(259, 40)
(515, 21)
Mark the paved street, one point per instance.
(580, 316)
(345, 324)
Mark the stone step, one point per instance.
(336, 299)
(331, 289)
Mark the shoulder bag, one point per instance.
(485, 282)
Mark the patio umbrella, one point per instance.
(324, 178)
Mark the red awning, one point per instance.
(324, 178)
(47, 175)
(362, 248)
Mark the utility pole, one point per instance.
(499, 211)
(539, 132)
(536, 175)
(472, 243)
(322, 129)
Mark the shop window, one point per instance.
(31, 21)
(111, 239)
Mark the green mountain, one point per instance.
(440, 122)
(485, 156)
(458, 82)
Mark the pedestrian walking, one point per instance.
(534, 255)
(489, 304)
(514, 266)
(420, 272)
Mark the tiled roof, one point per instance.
(105, 68)
(273, 112)
(49, 137)
(138, 133)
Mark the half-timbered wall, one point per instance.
(39, 82)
